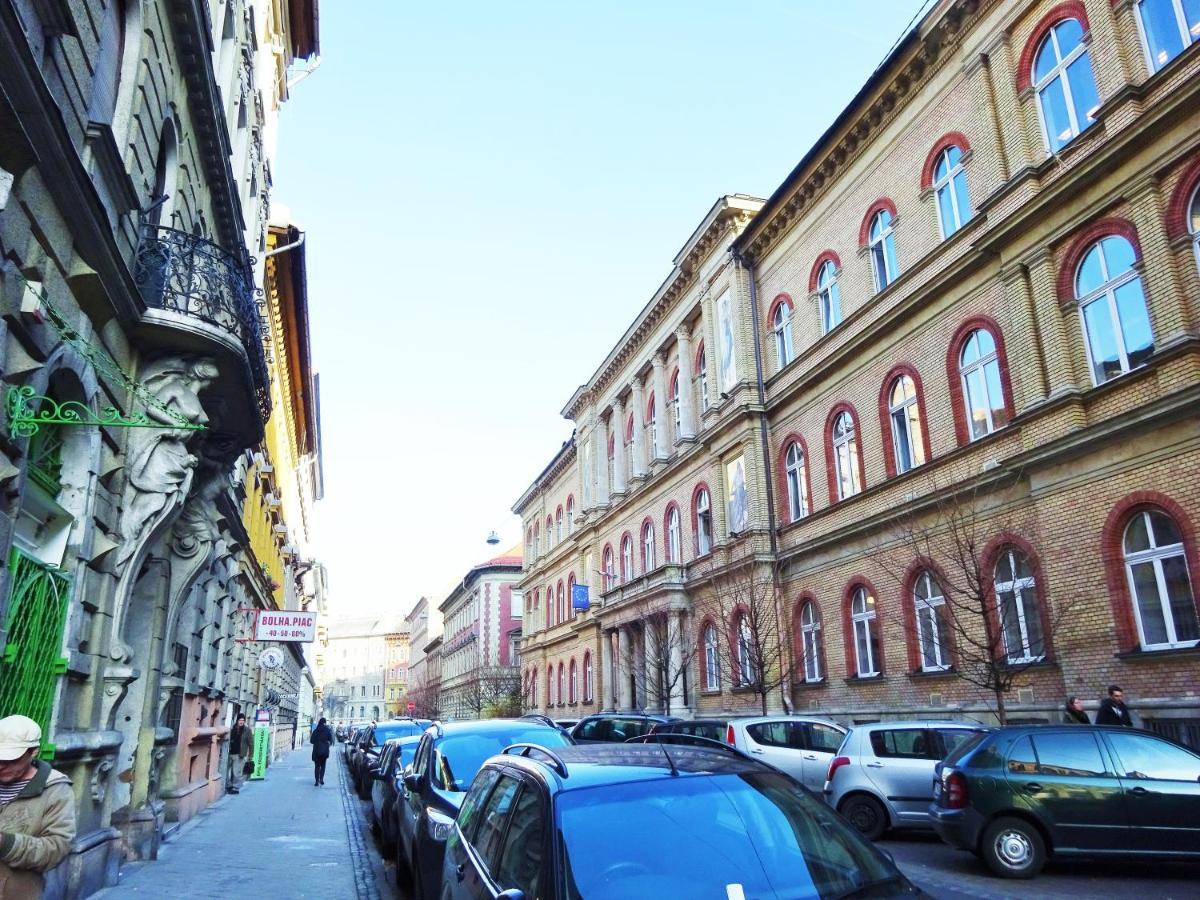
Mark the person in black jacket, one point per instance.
(1113, 710)
(322, 740)
(1074, 713)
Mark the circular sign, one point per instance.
(411, 706)
(271, 658)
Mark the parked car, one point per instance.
(616, 822)
(1023, 793)
(371, 743)
(800, 745)
(566, 724)
(611, 728)
(446, 761)
(387, 786)
(882, 776)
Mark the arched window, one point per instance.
(810, 641)
(712, 671)
(797, 482)
(559, 698)
(933, 635)
(560, 605)
(845, 456)
(558, 525)
(587, 677)
(950, 188)
(626, 558)
(1168, 27)
(610, 570)
(1066, 87)
(829, 297)
(882, 244)
(648, 562)
(1017, 604)
(1194, 224)
(537, 540)
(550, 685)
(745, 647)
(704, 523)
(1112, 305)
(675, 413)
(781, 324)
(652, 426)
(866, 633)
(629, 445)
(573, 684)
(674, 537)
(571, 594)
(533, 687)
(570, 514)
(908, 442)
(549, 533)
(702, 375)
(1156, 566)
(979, 368)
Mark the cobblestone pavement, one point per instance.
(280, 837)
(950, 874)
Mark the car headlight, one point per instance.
(437, 824)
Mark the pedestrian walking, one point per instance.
(1113, 710)
(37, 811)
(322, 739)
(241, 749)
(1074, 713)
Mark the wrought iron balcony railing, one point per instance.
(185, 274)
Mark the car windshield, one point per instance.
(387, 730)
(751, 835)
(460, 756)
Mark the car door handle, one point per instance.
(809, 756)
(874, 765)
(461, 871)
(1032, 788)
(1139, 791)
(759, 750)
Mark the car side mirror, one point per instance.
(412, 781)
(511, 894)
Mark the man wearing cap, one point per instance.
(37, 811)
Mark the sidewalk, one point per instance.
(280, 837)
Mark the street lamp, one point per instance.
(493, 538)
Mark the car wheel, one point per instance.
(866, 814)
(1013, 848)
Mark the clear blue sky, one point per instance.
(491, 192)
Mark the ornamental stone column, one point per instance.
(675, 666)
(599, 473)
(638, 399)
(624, 688)
(663, 429)
(617, 421)
(687, 390)
(606, 695)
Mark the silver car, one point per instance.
(882, 776)
(799, 745)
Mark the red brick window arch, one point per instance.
(780, 321)
(702, 520)
(902, 420)
(1152, 567)
(823, 284)
(977, 372)
(626, 558)
(1019, 615)
(810, 643)
(1183, 210)
(862, 626)
(649, 546)
(945, 174)
(927, 617)
(588, 682)
(710, 656)
(1056, 65)
(795, 484)
(610, 570)
(843, 455)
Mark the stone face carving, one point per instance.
(99, 780)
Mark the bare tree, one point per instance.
(964, 606)
(669, 653)
(424, 699)
(501, 690)
(744, 601)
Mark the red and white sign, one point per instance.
(285, 625)
(411, 706)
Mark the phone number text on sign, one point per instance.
(276, 625)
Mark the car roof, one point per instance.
(594, 765)
(653, 717)
(484, 726)
(922, 723)
(404, 741)
(755, 720)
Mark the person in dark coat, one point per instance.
(1113, 710)
(322, 739)
(241, 752)
(1074, 713)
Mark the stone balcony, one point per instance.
(201, 298)
(656, 591)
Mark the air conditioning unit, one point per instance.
(272, 501)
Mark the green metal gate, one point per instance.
(38, 598)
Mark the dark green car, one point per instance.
(1016, 795)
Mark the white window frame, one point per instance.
(561, 670)
(827, 285)
(1107, 293)
(797, 488)
(702, 377)
(610, 574)
(1155, 556)
(712, 671)
(845, 455)
(946, 183)
(1059, 71)
(744, 641)
(674, 536)
(573, 682)
(881, 268)
(558, 527)
(928, 607)
(966, 369)
(652, 427)
(860, 620)
(1019, 587)
(704, 523)
(588, 684)
(676, 413)
(648, 561)
(781, 324)
(1152, 64)
(570, 515)
(898, 414)
(627, 559)
(810, 642)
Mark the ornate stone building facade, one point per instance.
(135, 139)
(964, 384)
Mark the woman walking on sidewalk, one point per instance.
(322, 738)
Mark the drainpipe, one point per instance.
(292, 246)
(764, 436)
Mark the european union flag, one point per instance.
(579, 597)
